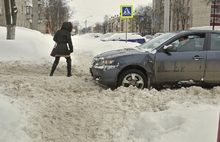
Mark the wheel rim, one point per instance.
(133, 79)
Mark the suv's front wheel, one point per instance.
(133, 77)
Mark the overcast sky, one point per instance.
(99, 8)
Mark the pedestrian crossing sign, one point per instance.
(126, 11)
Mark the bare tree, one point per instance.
(157, 17)
(56, 12)
(98, 28)
(105, 23)
(11, 17)
(75, 26)
(179, 14)
(143, 19)
(210, 1)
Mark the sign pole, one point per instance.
(126, 30)
(126, 11)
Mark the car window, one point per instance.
(193, 42)
(215, 42)
(155, 42)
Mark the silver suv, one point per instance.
(185, 58)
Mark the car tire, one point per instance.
(133, 77)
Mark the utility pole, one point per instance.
(166, 15)
(7, 12)
(213, 23)
(11, 17)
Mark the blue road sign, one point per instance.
(126, 11)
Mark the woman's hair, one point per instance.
(71, 26)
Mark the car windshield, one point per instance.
(155, 42)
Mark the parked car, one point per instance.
(157, 34)
(104, 36)
(131, 37)
(162, 61)
(148, 37)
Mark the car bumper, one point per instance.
(105, 77)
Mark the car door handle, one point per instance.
(197, 57)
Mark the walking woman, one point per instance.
(64, 46)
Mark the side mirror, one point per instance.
(169, 48)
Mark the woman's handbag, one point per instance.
(53, 50)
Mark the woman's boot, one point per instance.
(53, 69)
(69, 68)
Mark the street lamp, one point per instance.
(86, 23)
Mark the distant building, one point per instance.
(2, 14)
(29, 14)
(114, 24)
(215, 13)
(184, 14)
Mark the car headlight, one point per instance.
(107, 62)
(103, 63)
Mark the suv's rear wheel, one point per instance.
(133, 77)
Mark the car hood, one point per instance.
(119, 52)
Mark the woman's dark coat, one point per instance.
(62, 37)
